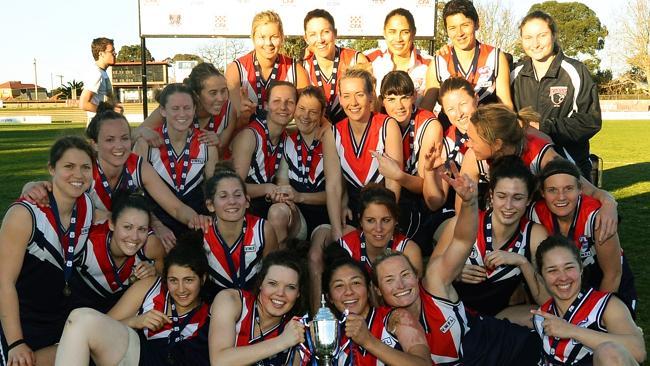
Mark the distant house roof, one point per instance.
(140, 63)
(17, 85)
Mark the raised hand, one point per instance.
(464, 186)
(246, 106)
(433, 158)
(388, 167)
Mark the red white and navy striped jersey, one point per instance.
(347, 58)
(248, 80)
(97, 268)
(218, 122)
(382, 64)
(159, 159)
(455, 144)
(412, 138)
(493, 295)
(482, 73)
(245, 329)
(263, 162)
(131, 180)
(236, 266)
(532, 155)
(158, 298)
(582, 229)
(377, 321)
(355, 244)
(40, 282)
(357, 165)
(585, 312)
(310, 162)
(445, 324)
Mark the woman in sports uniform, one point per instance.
(484, 66)
(158, 321)
(400, 52)
(38, 246)
(372, 335)
(259, 326)
(349, 146)
(249, 77)
(581, 326)
(215, 115)
(500, 261)
(182, 162)
(118, 168)
(453, 337)
(565, 210)
(300, 194)
(119, 252)
(325, 62)
(257, 155)
(420, 131)
(495, 131)
(237, 240)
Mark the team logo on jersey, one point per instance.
(557, 94)
(249, 248)
(85, 230)
(388, 341)
(197, 161)
(448, 324)
(474, 253)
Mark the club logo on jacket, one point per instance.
(557, 95)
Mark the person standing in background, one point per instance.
(97, 85)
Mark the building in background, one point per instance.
(126, 78)
(16, 90)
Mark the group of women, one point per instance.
(350, 199)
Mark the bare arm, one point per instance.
(609, 260)
(129, 304)
(333, 183)
(430, 98)
(503, 81)
(393, 147)
(469, 167)
(412, 251)
(85, 101)
(155, 251)
(242, 152)
(302, 78)
(213, 158)
(225, 311)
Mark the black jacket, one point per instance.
(567, 99)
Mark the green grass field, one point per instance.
(623, 145)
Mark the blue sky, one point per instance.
(58, 34)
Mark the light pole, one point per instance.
(35, 82)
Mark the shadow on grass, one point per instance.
(626, 175)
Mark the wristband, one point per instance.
(15, 344)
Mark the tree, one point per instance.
(186, 57)
(294, 47)
(66, 91)
(580, 32)
(636, 42)
(223, 51)
(497, 25)
(132, 53)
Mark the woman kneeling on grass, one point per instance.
(159, 320)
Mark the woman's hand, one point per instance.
(246, 107)
(209, 138)
(293, 333)
(473, 274)
(166, 236)
(433, 159)
(498, 258)
(144, 270)
(151, 137)
(555, 326)
(152, 320)
(464, 186)
(357, 329)
(37, 193)
(21, 355)
(388, 167)
(283, 193)
(200, 222)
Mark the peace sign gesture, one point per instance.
(464, 186)
(433, 159)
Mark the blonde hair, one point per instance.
(360, 72)
(265, 17)
(496, 121)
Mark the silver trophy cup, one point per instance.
(326, 334)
